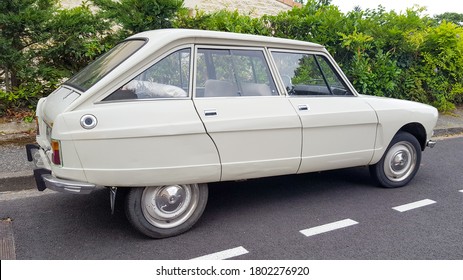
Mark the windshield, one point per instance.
(104, 64)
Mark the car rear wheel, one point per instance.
(165, 211)
(400, 163)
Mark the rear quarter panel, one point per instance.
(144, 143)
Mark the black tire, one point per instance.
(165, 211)
(399, 163)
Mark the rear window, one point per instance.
(104, 64)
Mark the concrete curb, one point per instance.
(17, 139)
(17, 181)
(448, 131)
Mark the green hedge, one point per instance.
(407, 55)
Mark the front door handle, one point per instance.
(210, 112)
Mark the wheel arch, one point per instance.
(417, 130)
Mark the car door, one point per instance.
(339, 129)
(257, 131)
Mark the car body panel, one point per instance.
(337, 132)
(253, 135)
(57, 102)
(172, 141)
(159, 141)
(393, 114)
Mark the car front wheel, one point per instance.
(400, 163)
(165, 211)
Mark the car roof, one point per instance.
(167, 36)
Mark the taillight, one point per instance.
(56, 155)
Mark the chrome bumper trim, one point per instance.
(67, 186)
(45, 180)
(431, 143)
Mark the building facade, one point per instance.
(255, 8)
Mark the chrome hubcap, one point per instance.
(169, 206)
(169, 199)
(400, 161)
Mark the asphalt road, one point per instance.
(263, 219)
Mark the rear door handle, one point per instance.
(210, 112)
(303, 107)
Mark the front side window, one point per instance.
(226, 73)
(168, 78)
(308, 74)
(104, 64)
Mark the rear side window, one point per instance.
(226, 73)
(168, 78)
(309, 74)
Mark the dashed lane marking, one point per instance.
(328, 227)
(414, 205)
(223, 255)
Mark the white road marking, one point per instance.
(414, 205)
(328, 227)
(460, 190)
(230, 253)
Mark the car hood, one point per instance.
(379, 103)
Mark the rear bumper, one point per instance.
(44, 178)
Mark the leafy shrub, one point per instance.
(406, 55)
(26, 96)
(223, 20)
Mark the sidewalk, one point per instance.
(16, 171)
(450, 124)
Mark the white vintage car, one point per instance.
(165, 112)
